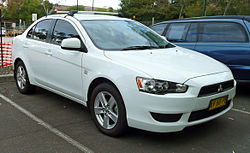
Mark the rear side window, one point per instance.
(177, 32)
(63, 30)
(42, 30)
(222, 32)
(192, 33)
(30, 33)
(159, 28)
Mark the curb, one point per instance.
(7, 78)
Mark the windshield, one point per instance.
(122, 35)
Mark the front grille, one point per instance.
(201, 114)
(216, 88)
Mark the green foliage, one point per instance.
(193, 10)
(23, 9)
(47, 6)
(110, 9)
(80, 8)
(143, 10)
(162, 10)
(29, 7)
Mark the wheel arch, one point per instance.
(95, 83)
(17, 60)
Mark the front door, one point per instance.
(64, 68)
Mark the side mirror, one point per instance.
(71, 44)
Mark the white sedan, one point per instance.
(126, 74)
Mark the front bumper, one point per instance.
(140, 107)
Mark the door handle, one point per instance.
(48, 52)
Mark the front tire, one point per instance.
(108, 110)
(22, 79)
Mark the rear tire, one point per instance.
(108, 110)
(22, 79)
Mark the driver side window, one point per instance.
(63, 30)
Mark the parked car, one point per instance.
(225, 38)
(125, 73)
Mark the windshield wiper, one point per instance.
(176, 40)
(167, 46)
(139, 47)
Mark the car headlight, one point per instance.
(159, 86)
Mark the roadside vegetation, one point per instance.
(145, 10)
(142, 10)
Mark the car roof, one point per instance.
(89, 17)
(208, 18)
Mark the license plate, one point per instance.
(219, 102)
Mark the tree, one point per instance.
(183, 3)
(23, 9)
(165, 10)
(230, 7)
(142, 9)
(243, 7)
(13, 9)
(110, 9)
(47, 6)
(161, 10)
(237, 7)
(194, 10)
(29, 7)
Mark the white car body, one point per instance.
(70, 74)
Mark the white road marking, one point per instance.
(238, 110)
(59, 133)
(47, 126)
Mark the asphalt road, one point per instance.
(19, 133)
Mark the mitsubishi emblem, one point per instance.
(220, 89)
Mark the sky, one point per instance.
(97, 3)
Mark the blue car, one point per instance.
(225, 38)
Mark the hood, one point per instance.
(172, 64)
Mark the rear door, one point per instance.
(227, 42)
(36, 46)
(182, 34)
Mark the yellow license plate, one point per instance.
(219, 102)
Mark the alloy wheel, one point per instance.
(106, 110)
(21, 77)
